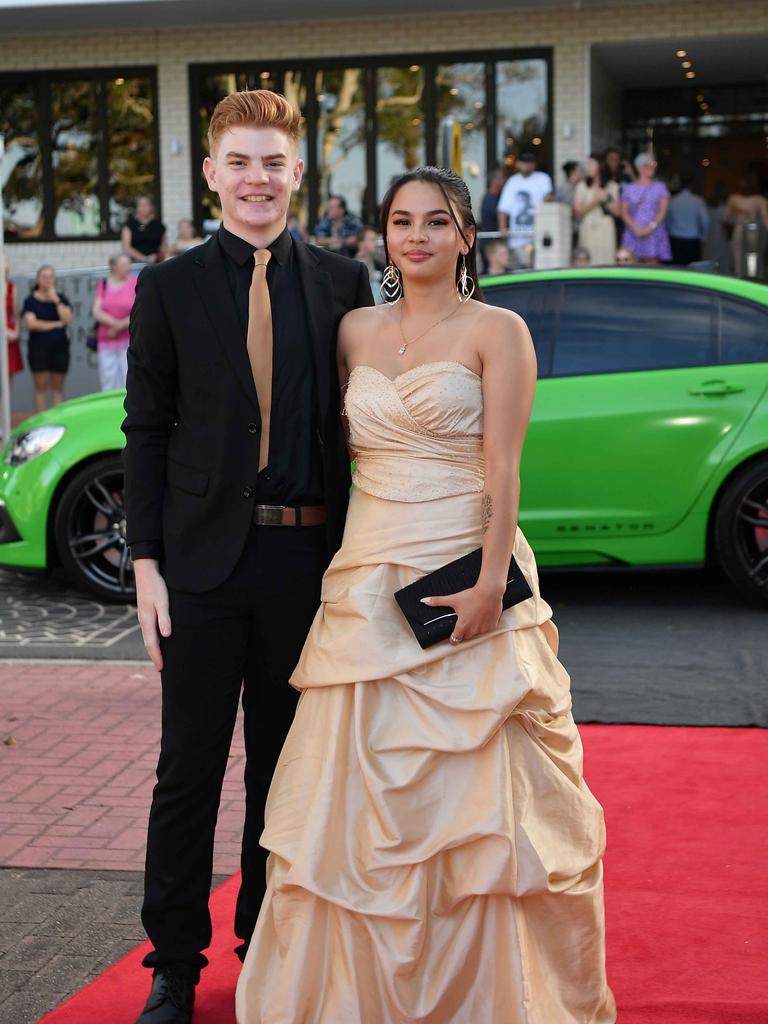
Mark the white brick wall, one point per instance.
(568, 31)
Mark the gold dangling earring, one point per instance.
(391, 285)
(465, 286)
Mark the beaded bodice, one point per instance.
(418, 436)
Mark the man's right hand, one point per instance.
(152, 606)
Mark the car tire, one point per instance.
(89, 532)
(741, 542)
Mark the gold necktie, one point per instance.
(259, 342)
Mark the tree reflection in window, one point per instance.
(400, 122)
(21, 169)
(212, 89)
(341, 154)
(461, 98)
(522, 106)
(130, 121)
(74, 157)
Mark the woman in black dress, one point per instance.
(143, 235)
(46, 314)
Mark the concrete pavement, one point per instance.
(78, 743)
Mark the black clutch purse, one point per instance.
(431, 624)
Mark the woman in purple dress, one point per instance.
(643, 208)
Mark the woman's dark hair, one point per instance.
(456, 194)
(602, 170)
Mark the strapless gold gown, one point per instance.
(435, 851)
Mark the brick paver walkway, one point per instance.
(78, 746)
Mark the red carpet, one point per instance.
(687, 814)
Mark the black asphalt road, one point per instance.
(653, 647)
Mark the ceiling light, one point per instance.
(690, 74)
(415, 67)
(264, 75)
(454, 92)
(687, 64)
(705, 162)
(536, 141)
(682, 53)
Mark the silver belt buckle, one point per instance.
(272, 515)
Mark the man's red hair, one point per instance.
(255, 108)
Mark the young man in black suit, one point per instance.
(237, 479)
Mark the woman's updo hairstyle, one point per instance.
(457, 198)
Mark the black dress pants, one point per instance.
(245, 636)
(685, 250)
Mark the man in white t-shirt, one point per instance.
(522, 193)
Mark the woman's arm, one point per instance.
(65, 312)
(125, 242)
(581, 209)
(509, 381)
(661, 213)
(629, 220)
(162, 252)
(348, 329)
(13, 332)
(32, 323)
(104, 318)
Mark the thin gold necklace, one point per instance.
(404, 347)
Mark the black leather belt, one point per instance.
(285, 515)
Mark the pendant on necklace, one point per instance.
(402, 349)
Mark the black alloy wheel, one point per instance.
(741, 530)
(90, 532)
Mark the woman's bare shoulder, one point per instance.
(358, 324)
(501, 321)
(362, 317)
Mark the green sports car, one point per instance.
(648, 443)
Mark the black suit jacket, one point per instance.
(192, 421)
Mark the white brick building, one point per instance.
(592, 73)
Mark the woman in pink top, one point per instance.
(111, 310)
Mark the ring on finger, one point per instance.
(455, 639)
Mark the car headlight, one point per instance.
(31, 443)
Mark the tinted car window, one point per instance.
(614, 328)
(528, 301)
(743, 333)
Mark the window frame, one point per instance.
(41, 80)
(671, 286)
(748, 304)
(369, 64)
(540, 318)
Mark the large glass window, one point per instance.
(522, 108)
(341, 150)
(79, 149)
(614, 328)
(75, 161)
(21, 169)
(461, 101)
(131, 125)
(370, 119)
(743, 333)
(527, 300)
(400, 130)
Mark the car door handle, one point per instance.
(716, 387)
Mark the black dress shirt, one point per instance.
(294, 472)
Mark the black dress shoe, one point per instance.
(171, 998)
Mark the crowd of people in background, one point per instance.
(621, 213)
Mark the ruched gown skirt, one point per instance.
(435, 851)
